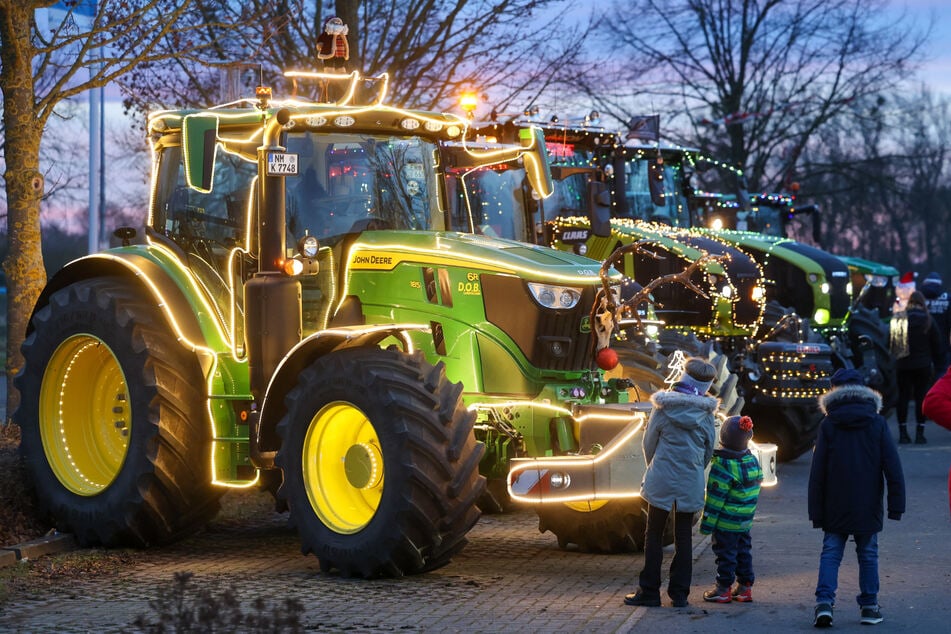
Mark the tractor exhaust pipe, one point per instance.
(272, 299)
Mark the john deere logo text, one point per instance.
(574, 235)
(368, 260)
(372, 259)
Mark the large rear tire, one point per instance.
(725, 384)
(381, 468)
(792, 429)
(780, 323)
(868, 338)
(114, 433)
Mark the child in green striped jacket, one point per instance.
(732, 491)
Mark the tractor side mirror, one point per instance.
(200, 143)
(537, 166)
(655, 181)
(599, 208)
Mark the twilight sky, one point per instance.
(936, 70)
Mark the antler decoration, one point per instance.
(608, 308)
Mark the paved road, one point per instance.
(513, 579)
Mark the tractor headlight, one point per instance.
(813, 278)
(292, 267)
(308, 246)
(848, 289)
(557, 297)
(824, 287)
(721, 285)
(559, 480)
(821, 317)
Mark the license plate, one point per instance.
(281, 164)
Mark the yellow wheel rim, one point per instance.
(342, 467)
(586, 507)
(85, 415)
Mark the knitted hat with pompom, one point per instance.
(736, 432)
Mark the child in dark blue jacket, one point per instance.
(855, 456)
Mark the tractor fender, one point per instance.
(264, 442)
(146, 272)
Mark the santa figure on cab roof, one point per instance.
(332, 46)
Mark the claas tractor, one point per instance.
(306, 310)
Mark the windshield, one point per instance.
(355, 182)
(668, 188)
(765, 219)
(490, 200)
(569, 198)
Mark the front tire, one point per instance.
(614, 526)
(114, 435)
(380, 463)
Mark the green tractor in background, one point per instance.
(308, 309)
(610, 193)
(850, 307)
(873, 285)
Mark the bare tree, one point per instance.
(880, 173)
(759, 78)
(41, 70)
(431, 50)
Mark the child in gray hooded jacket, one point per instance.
(678, 444)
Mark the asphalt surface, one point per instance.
(511, 578)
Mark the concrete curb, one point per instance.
(46, 545)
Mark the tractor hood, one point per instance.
(664, 237)
(765, 246)
(384, 250)
(868, 267)
(735, 280)
(812, 281)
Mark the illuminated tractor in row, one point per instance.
(610, 193)
(847, 299)
(309, 308)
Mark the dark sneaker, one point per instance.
(743, 593)
(718, 594)
(871, 615)
(640, 598)
(679, 602)
(823, 615)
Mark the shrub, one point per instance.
(181, 608)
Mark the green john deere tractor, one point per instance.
(610, 193)
(306, 310)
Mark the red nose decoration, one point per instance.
(607, 359)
